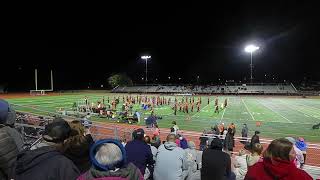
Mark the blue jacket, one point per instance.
(139, 153)
(301, 145)
(183, 143)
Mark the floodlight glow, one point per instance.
(145, 57)
(251, 48)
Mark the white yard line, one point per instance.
(317, 109)
(248, 109)
(288, 105)
(223, 114)
(275, 112)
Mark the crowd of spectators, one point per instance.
(67, 151)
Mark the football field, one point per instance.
(279, 116)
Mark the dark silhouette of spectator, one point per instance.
(139, 152)
(77, 146)
(154, 151)
(47, 162)
(8, 154)
(255, 139)
(11, 141)
(7, 121)
(171, 161)
(277, 163)
(203, 142)
(109, 161)
(229, 141)
(244, 134)
(216, 164)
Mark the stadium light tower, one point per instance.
(251, 49)
(146, 58)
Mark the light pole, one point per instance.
(250, 49)
(146, 58)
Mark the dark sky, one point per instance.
(185, 40)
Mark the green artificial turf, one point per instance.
(279, 116)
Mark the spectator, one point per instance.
(244, 133)
(299, 160)
(183, 142)
(193, 172)
(232, 126)
(303, 147)
(108, 158)
(156, 141)
(178, 140)
(203, 142)
(255, 139)
(8, 154)
(47, 162)
(221, 128)
(175, 127)
(156, 131)
(150, 168)
(255, 155)
(216, 164)
(139, 152)
(7, 121)
(154, 150)
(171, 161)
(240, 165)
(277, 163)
(77, 147)
(229, 141)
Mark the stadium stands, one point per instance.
(286, 89)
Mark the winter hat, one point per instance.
(95, 147)
(57, 131)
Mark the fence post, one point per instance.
(116, 133)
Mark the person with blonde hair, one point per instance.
(255, 155)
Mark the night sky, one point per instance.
(185, 41)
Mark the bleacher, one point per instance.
(285, 89)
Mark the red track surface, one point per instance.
(313, 155)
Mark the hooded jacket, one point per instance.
(130, 172)
(139, 153)
(216, 164)
(78, 152)
(171, 163)
(8, 155)
(276, 169)
(45, 163)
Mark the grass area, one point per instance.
(280, 116)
